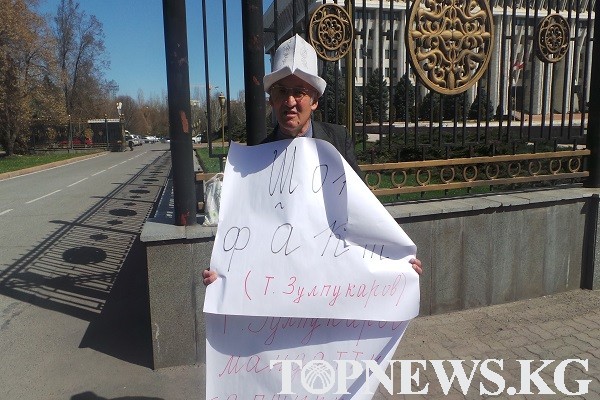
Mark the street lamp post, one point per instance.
(33, 131)
(106, 129)
(121, 138)
(222, 104)
(122, 130)
(70, 134)
(209, 127)
(146, 116)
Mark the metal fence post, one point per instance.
(350, 79)
(593, 131)
(254, 70)
(590, 275)
(180, 121)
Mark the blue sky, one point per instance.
(134, 40)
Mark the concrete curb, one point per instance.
(37, 168)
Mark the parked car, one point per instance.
(197, 138)
(134, 139)
(130, 141)
(137, 140)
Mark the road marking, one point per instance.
(6, 211)
(39, 198)
(75, 183)
(99, 172)
(111, 167)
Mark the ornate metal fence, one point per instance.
(449, 95)
(454, 96)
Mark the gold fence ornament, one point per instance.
(435, 175)
(552, 39)
(450, 43)
(331, 32)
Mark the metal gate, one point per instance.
(444, 97)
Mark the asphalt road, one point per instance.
(31, 205)
(74, 318)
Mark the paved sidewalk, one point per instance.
(62, 366)
(558, 327)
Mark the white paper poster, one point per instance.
(310, 265)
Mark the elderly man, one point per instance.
(294, 89)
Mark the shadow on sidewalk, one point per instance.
(122, 330)
(94, 268)
(93, 396)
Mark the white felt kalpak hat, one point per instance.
(295, 57)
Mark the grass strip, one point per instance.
(17, 162)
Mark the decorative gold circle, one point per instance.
(376, 186)
(578, 161)
(450, 42)
(452, 174)
(418, 177)
(530, 167)
(496, 173)
(553, 37)
(331, 31)
(511, 167)
(466, 173)
(399, 185)
(553, 170)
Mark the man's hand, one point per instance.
(208, 276)
(416, 264)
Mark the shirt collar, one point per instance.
(308, 133)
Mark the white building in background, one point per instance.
(513, 57)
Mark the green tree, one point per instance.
(453, 107)
(328, 104)
(368, 114)
(358, 105)
(404, 99)
(482, 108)
(342, 113)
(377, 94)
(430, 107)
(335, 87)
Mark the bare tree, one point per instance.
(80, 52)
(150, 116)
(158, 115)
